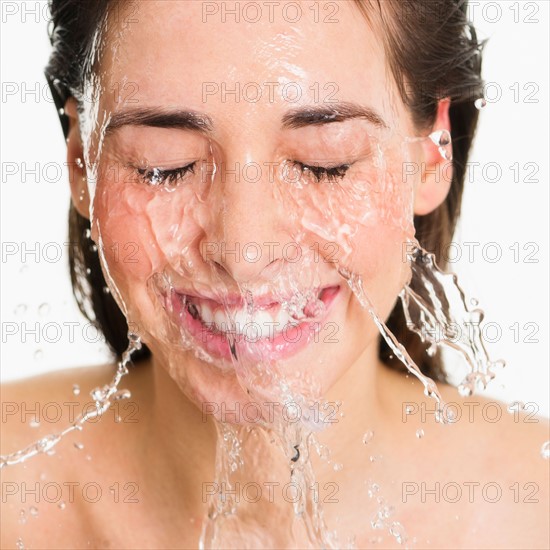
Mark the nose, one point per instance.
(250, 232)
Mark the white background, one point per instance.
(498, 209)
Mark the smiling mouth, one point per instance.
(270, 319)
(271, 328)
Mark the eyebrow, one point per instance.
(161, 118)
(294, 119)
(326, 114)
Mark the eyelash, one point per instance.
(322, 173)
(158, 176)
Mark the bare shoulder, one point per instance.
(515, 431)
(32, 406)
(49, 494)
(501, 448)
(482, 477)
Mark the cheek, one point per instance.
(362, 225)
(123, 229)
(381, 261)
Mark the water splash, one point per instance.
(306, 521)
(436, 310)
(356, 285)
(103, 398)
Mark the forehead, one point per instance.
(207, 55)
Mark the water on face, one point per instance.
(348, 230)
(373, 203)
(434, 309)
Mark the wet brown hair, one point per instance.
(433, 53)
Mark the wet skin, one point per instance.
(168, 454)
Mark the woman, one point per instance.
(247, 183)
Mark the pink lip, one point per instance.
(282, 346)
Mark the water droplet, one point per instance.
(122, 394)
(368, 436)
(43, 309)
(545, 450)
(79, 163)
(133, 338)
(22, 517)
(38, 355)
(442, 138)
(474, 302)
(87, 234)
(373, 489)
(324, 452)
(106, 290)
(34, 423)
(398, 531)
(76, 389)
(93, 248)
(420, 433)
(386, 511)
(20, 309)
(88, 457)
(377, 523)
(480, 103)
(19, 544)
(61, 111)
(79, 446)
(450, 415)
(88, 271)
(34, 511)
(62, 505)
(338, 467)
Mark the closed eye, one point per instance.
(160, 176)
(323, 173)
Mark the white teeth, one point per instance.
(265, 323)
(241, 318)
(220, 320)
(206, 314)
(283, 318)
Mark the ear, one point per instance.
(75, 162)
(436, 172)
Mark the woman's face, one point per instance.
(222, 235)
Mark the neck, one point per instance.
(179, 444)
